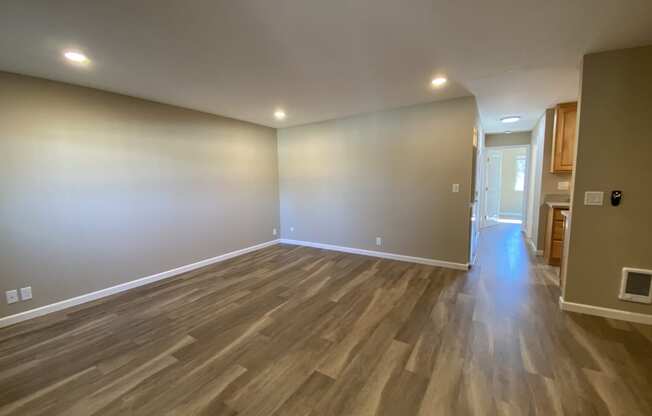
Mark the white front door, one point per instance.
(492, 186)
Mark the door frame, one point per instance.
(526, 188)
(476, 203)
(485, 182)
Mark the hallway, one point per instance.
(292, 330)
(546, 361)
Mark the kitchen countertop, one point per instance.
(558, 204)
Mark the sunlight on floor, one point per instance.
(509, 221)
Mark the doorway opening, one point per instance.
(505, 184)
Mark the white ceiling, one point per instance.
(322, 59)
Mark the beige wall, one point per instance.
(549, 181)
(511, 200)
(386, 174)
(98, 189)
(614, 153)
(503, 139)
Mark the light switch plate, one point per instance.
(593, 198)
(456, 187)
(26, 293)
(12, 296)
(563, 186)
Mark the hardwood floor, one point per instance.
(299, 331)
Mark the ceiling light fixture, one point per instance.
(439, 81)
(508, 132)
(76, 57)
(510, 119)
(279, 114)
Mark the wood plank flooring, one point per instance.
(300, 331)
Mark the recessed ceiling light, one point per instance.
(438, 82)
(510, 119)
(508, 132)
(279, 114)
(76, 57)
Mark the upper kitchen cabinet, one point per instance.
(565, 137)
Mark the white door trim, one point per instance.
(526, 190)
(485, 183)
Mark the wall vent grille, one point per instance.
(636, 285)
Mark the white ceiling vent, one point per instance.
(636, 285)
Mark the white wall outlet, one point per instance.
(12, 296)
(291, 229)
(274, 231)
(379, 241)
(593, 198)
(563, 186)
(26, 293)
(456, 187)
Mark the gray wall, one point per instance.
(614, 151)
(98, 189)
(504, 139)
(386, 174)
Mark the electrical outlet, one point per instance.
(12, 296)
(563, 186)
(456, 187)
(26, 293)
(379, 241)
(274, 231)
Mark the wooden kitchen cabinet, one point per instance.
(555, 236)
(564, 138)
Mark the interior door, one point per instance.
(493, 170)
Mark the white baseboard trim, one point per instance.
(88, 297)
(640, 318)
(381, 254)
(533, 247)
(474, 261)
